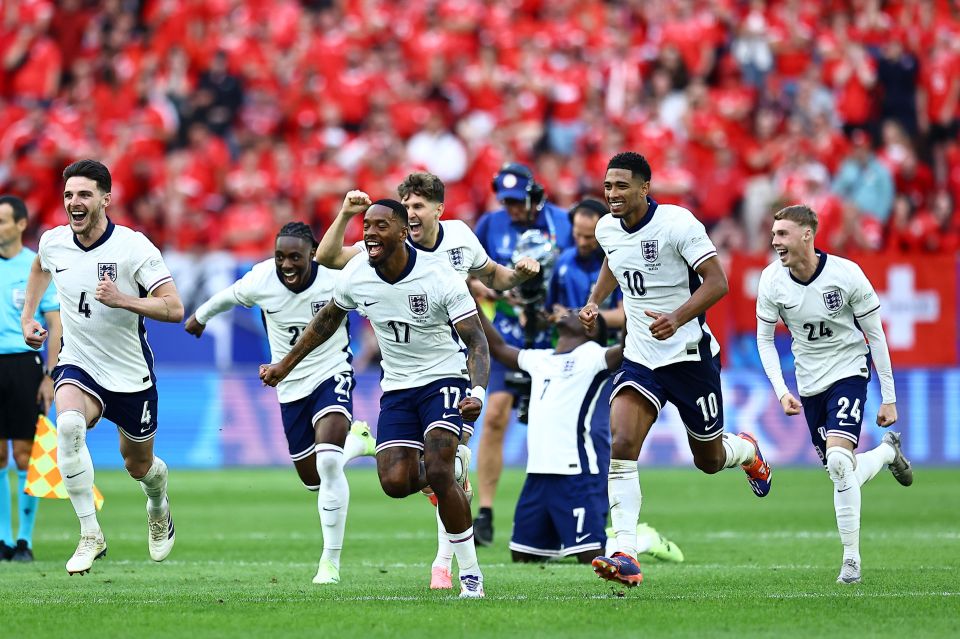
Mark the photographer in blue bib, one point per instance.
(525, 210)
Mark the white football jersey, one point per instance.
(563, 396)
(457, 243)
(109, 344)
(821, 314)
(285, 316)
(655, 264)
(412, 318)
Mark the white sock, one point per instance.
(466, 552)
(154, 485)
(841, 464)
(332, 500)
(76, 468)
(739, 451)
(871, 462)
(353, 447)
(623, 488)
(444, 557)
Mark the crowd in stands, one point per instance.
(223, 119)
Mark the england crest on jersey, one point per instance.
(316, 306)
(456, 257)
(418, 304)
(650, 250)
(108, 269)
(833, 300)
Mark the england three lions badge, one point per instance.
(833, 299)
(418, 304)
(108, 269)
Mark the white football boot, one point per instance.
(90, 548)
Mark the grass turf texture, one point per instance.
(248, 542)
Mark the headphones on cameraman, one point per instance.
(535, 191)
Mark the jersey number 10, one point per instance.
(635, 283)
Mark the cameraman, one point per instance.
(525, 207)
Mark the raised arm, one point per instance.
(503, 278)
(163, 304)
(323, 325)
(606, 284)
(713, 287)
(331, 252)
(478, 363)
(499, 349)
(33, 332)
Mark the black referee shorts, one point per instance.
(20, 377)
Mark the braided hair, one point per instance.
(298, 230)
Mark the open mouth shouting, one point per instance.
(374, 248)
(78, 215)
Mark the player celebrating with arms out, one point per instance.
(316, 405)
(411, 303)
(828, 305)
(422, 194)
(669, 273)
(108, 278)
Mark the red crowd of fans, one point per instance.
(222, 119)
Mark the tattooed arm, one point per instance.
(478, 363)
(323, 325)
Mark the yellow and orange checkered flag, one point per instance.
(43, 476)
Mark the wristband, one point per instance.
(479, 393)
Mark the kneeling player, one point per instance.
(315, 401)
(829, 305)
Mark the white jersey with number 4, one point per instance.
(285, 315)
(563, 395)
(654, 264)
(109, 344)
(820, 314)
(412, 318)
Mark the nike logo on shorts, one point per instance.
(582, 537)
(61, 270)
(450, 415)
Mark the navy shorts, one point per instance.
(693, 387)
(497, 382)
(135, 414)
(836, 412)
(559, 515)
(406, 415)
(300, 416)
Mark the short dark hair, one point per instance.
(18, 206)
(91, 169)
(799, 213)
(426, 185)
(589, 206)
(633, 162)
(398, 209)
(298, 230)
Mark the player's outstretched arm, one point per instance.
(323, 325)
(712, 288)
(606, 284)
(873, 329)
(503, 278)
(33, 332)
(478, 363)
(331, 252)
(220, 302)
(163, 304)
(499, 349)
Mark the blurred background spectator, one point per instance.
(223, 119)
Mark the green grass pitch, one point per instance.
(248, 541)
